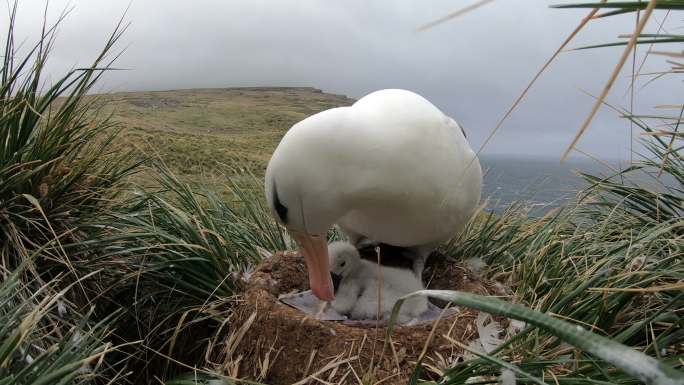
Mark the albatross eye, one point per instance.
(343, 263)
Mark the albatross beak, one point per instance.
(315, 250)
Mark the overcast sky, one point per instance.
(472, 67)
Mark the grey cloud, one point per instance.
(472, 67)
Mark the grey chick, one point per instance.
(362, 287)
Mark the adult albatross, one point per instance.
(391, 168)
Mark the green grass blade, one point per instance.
(637, 364)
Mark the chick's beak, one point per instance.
(315, 251)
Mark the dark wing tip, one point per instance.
(280, 208)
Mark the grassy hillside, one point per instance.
(196, 130)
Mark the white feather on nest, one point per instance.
(489, 338)
(476, 264)
(507, 377)
(490, 334)
(489, 331)
(514, 327)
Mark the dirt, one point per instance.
(276, 344)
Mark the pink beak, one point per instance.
(315, 251)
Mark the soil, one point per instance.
(276, 344)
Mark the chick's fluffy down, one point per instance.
(367, 290)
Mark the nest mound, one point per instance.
(277, 344)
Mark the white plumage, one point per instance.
(365, 284)
(392, 168)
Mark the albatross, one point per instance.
(390, 169)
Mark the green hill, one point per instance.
(196, 131)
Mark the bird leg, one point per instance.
(419, 266)
(420, 255)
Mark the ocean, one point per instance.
(544, 182)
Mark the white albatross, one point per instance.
(391, 168)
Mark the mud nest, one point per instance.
(277, 344)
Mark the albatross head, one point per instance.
(308, 220)
(304, 196)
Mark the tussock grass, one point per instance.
(191, 241)
(57, 171)
(56, 166)
(608, 274)
(44, 340)
(179, 256)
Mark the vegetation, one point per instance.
(200, 131)
(108, 280)
(57, 172)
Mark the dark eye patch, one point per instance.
(343, 263)
(280, 208)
